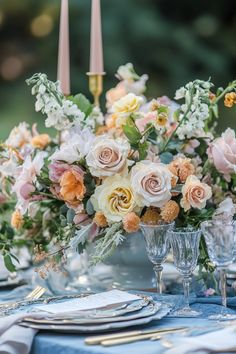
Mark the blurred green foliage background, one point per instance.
(172, 41)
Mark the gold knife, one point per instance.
(132, 339)
(98, 339)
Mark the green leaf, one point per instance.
(177, 188)
(89, 207)
(215, 110)
(132, 133)
(8, 263)
(70, 216)
(142, 150)
(83, 103)
(166, 157)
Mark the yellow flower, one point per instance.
(162, 119)
(17, 220)
(40, 141)
(230, 99)
(114, 198)
(125, 106)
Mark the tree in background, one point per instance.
(173, 42)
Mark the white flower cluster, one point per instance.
(96, 118)
(133, 82)
(195, 111)
(61, 113)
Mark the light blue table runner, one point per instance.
(49, 343)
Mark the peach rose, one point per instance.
(182, 168)
(222, 151)
(40, 141)
(195, 194)
(72, 188)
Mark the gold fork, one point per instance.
(33, 295)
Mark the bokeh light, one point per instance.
(42, 25)
(11, 68)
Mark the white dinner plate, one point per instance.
(150, 310)
(99, 327)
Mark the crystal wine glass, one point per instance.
(185, 247)
(220, 239)
(158, 247)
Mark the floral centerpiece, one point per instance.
(152, 160)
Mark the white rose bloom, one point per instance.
(107, 156)
(152, 183)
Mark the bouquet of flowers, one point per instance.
(153, 161)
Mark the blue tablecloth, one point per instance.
(57, 343)
(50, 343)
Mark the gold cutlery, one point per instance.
(127, 340)
(33, 295)
(129, 335)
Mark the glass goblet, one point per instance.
(220, 237)
(158, 247)
(185, 247)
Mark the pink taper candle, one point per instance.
(63, 69)
(96, 51)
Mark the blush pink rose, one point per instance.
(148, 118)
(222, 151)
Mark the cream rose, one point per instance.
(152, 183)
(195, 194)
(125, 106)
(107, 156)
(223, 153)
(114, 198)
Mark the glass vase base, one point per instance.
(186, 312)
(223, 317)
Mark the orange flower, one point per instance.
(17, 220)
(230, 99)
(40, 141)
(131, 222)
(72, 187)
(182, 168)
(100, 219)
(170, 211)
(151, 216)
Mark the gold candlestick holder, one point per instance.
(96, 86)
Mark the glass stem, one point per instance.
(223, 286)
(186, 285)
(158, 271)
